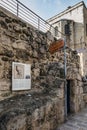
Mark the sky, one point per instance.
(48, 8)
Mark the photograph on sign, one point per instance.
(21, 76)
(18, 71)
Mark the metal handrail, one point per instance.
(23, 12)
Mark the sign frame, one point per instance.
(21, 76)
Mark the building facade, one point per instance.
(73, 23)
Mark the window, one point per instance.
(56, 31)
(67, 29)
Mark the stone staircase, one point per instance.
(76, 122)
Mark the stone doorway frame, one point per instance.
(73, 103)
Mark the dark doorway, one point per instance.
(68, 97)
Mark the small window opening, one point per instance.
(56, 31)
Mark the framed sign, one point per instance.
(21, 76)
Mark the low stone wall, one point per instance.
(31, 112)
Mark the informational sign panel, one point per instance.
(55, 46)
(21, 76)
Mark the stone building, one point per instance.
(73, 23)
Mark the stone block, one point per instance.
(20, 122)
(78, 77)
(85, 88)
(81, 90)
(79, 83)
(77, 90)
(60, 93)
(5, 85)
(36, 72)
(35, 115)
(85, 98)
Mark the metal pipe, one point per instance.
(38, 24)
(65, 83)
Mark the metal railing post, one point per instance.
(17, 8)
(38, 23)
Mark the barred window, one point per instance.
(56, 31)
(67, 29)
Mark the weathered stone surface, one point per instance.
(4, 85)
(5, 58)
(85, 98)
(79, 77)
(2, 14)
(3, 24)
(85, 87)
(8, 20)
(35, 54)
(39, 111)
(42, 50)
(20, 122)
(17, 28)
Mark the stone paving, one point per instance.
(76, 122)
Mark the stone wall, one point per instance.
(20, 42)
(42, 107)
(35, 112)
(75, 78)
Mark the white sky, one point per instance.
(49, 8)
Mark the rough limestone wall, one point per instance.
(35, 112)
(74, 75)
(20, 42)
